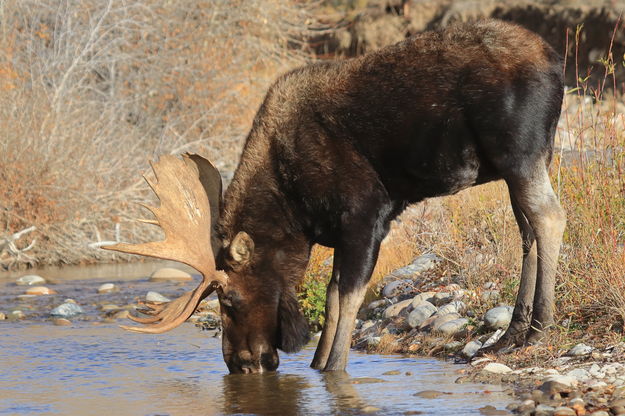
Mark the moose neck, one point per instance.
(255, 203)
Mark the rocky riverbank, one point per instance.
(421, 313)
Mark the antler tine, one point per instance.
(184, 215)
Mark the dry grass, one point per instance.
(89, 90)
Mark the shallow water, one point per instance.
(95, 368)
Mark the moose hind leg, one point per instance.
(521, 317)
(331, 318)
(539, 203)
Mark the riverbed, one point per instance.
(92, 367)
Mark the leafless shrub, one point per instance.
(90, 90)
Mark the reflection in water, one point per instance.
(94, 370)
(345, 396)
(263, 394)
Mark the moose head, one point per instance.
(257, 318)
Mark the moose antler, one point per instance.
(184, 215)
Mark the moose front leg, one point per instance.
(359, 253)
(331, 317)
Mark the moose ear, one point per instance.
(211, 182)
(242, 248)
(294, 331)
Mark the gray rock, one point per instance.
(564, 411)
(493, 338)
(579, 350)
(579, 373)
(15, 315)
(396, 288)
(169, 274)
(453, 327)
(490, 296)
(471, 348)
(442, 298)
(420, 313)
(544, 410)
(156, 297)
(67, 310)
(106, 288)
(456, 306)
(397, 309)
(498, 317)
(497, 368)
(29, 280)
(422, 297)
(419, 265)
(376, 304)
(441, 320)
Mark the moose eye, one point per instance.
(230, 299)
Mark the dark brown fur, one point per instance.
(337, 150)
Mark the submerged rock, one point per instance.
(170, 274)
(498, 317)
(30, 279)
(67, 310)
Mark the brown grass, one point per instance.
(89, 90)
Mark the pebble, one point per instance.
(599, 413)
(376, 304)
(420, 313)
(156, 297)
(579, 350)
(170, 274)
(498, 317)
(497, 368)
(29, 280)
(564, 411)
(392, 373)
(39, 290)
(67, 310)
(123, 314)
(366, 380)
(15, 315)
(62, 322)
(106, 288)
(397, 309)
(2, 316)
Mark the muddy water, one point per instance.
(92, 368)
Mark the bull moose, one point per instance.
(336, 151)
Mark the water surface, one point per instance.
(92, 368)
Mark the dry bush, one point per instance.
(90, 90)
